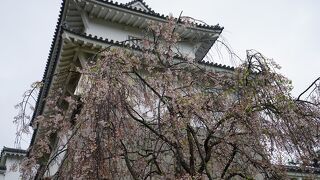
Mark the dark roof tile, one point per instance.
(13, 150)
(217, 65)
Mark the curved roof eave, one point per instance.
(152, 14)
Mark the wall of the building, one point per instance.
(1, 176)
(120, 32)
(54, 166)
(10, 174)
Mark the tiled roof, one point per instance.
(154, 14)
(13, 150)
(49, 65)
(44, 78)
(212, 64)
(9, 151)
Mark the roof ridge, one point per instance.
(133, 1)
(141, 1)
(218, 65)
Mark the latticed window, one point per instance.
(133, 40)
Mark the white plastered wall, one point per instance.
(10, 174)
(121, 32)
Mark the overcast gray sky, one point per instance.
(285, 30)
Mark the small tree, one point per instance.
(156, 114)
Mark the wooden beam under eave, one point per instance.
(130, 20)
(63, 69)
(100, 12)
(189, 33)
(108, 11)
(87, 6)
(123, 17)
(115, 16)
(61, 75)
(79, 23)
(73, 18)
(93, 11)
(73, 13)
(138, 19)
(67, 53)
(64, 63)
(89, 44)
(143, 24)
(71, 70)
(67, 44)
(66, 58)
